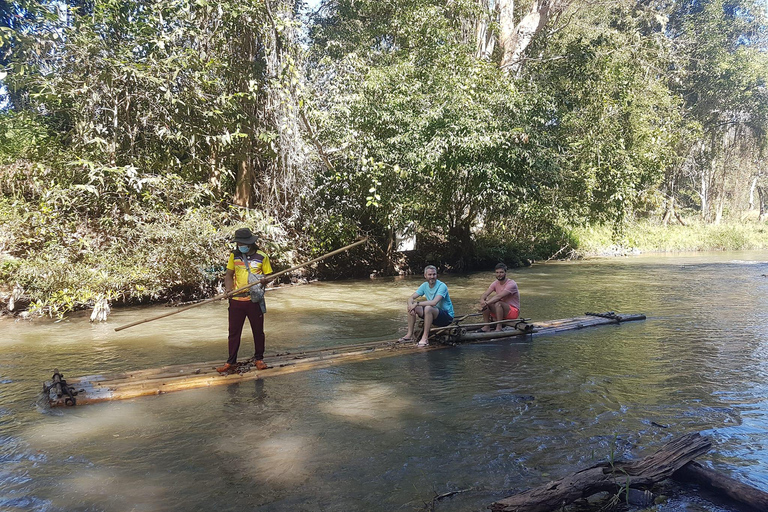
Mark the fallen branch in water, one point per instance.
(430, 507)
(611, 477)
(675, 459)
(724, 485)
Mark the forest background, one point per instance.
(136, 136)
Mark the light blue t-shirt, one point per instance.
(439, 289)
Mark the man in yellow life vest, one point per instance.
(244, 261)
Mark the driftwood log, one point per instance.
(612, 477)
(723, 485)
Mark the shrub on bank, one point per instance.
(97, 233)
(519, 247)
(143, 257)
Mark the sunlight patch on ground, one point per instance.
(374, 405)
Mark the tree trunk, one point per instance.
(720, 192)
(214, 174)
(460, 241)
(484, 40)
(679, 218)
(506, 30)
(752, 193)
(704, 195)
(669, 210)
(608, 477)
(514, 42)
(762, 196)
(244, 185)
(719, 207)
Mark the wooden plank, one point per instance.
(153, 381)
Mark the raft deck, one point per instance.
(120, 386)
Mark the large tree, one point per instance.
(203, 91)
(720, 72)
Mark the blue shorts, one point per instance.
(442, 319)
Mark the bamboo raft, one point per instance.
(120, 386)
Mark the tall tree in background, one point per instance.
(265, 73)
(434, 138)
(720, 71)
(616, 121)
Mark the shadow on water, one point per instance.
(391, 434)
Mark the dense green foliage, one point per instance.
(137, 136)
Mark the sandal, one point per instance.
(422, 344)
(405, 339)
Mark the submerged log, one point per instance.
(608, 477)
(721, 484)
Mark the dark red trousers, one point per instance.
(239, 310)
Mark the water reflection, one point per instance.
(390, 433)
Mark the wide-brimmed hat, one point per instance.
(244, 236)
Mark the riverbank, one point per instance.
(66, 262)
(648, 236)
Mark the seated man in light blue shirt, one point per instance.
(436, 310)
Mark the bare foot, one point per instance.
(486, 329)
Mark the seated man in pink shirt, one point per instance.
(505, 304)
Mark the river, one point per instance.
(390, 434)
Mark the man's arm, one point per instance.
(229, 280)
(433, 302)
(484, 297)
(499, 296)
(266, 269)
(412, 300)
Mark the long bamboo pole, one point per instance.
(234, 292)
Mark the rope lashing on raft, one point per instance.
(608, 314)
(523, 326)
(61, 388)
(455, 329)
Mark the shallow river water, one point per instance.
(390, 434)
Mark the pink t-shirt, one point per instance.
(512, 298)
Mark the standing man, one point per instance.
(505, 305)
(244, 261)
(436, 309)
